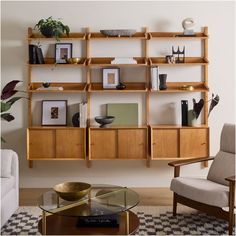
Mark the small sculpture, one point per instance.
(214, 101)
(121, 86)
(46, 85)
(180, 55)
(188, 24)
(162, 78)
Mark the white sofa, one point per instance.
(9, 184)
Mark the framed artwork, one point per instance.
(63, 51)
(54, 112)
(111, 77)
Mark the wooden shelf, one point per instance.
(120, 127)
(67, 88)
(189, 61)
(54, 127)
(177, 127)
(72, 36)
(176, 35)
(130, 88)
(176, 87)
(106, 61)
(171, 158)
(50, 62)
(98, 36)
(56, 159)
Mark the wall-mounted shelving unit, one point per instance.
(148, 142)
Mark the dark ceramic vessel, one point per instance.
(104, 120)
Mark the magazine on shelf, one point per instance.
(154, 77)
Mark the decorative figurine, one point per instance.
(188, 25)
(162, 78)
(180, 58)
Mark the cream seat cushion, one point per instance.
(201, 190)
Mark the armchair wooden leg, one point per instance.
(231, 206)
(174, 205)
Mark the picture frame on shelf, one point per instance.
(63, 51)
(54, 113)
(110, 77)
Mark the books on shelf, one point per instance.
(154, 77)
(124, 60)
(83, 114)
(35, 55)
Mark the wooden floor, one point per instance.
(148, 196)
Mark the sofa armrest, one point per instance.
(231, 179)
(15, 172)
(189, 161)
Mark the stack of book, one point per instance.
(35, 55)
(83, 114)
(154, 77)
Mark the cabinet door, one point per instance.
(70, 143)
(103, 144)
(165, 143)
(41, 144)
(132, 144)
(193, 142)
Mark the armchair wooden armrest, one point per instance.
(177, 164)
(231, 179)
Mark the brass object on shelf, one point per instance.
(187, 87)
(72, 191)
(73, 60)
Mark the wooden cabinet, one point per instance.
(56, 143)
(103, 144)
(165, 143)
(132, 144)
(41, 144)
(193, 142)
(179, 142)
(118, 143)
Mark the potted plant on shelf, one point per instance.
(52, 28)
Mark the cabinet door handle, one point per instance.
(153, 143)
(203, 143)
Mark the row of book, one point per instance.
(35, 55)
(83, 114)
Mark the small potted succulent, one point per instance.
(52, 28)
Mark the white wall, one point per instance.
(158, 16)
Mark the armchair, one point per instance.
(214, 195)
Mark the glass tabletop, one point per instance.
(101, 200)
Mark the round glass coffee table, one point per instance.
(105, 210)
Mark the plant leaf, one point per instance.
(214, 102)
(13, 100)
(8, 94)
(5, 106)
(7, 116)
(10, 86)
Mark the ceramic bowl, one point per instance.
(72, 191)
(119, 32)
(104, 120)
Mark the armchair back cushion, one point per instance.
(6, 163)
(224, 163)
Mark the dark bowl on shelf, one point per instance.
(104, 120)
(72, 191)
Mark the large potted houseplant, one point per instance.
(52, 28)
(7, 100)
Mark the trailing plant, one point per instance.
(52, 28)
(7, 100)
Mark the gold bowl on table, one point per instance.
(72, 191)
(187, 87)
(73, 60)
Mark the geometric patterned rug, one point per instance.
(25, 222)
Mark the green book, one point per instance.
(124, 113)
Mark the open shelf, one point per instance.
(188, 61)
(106, 61)
(50, 62)
(67, 88)
(175, 35)
(98, 35)
(175, 87)
(64, 37)
(130, 88)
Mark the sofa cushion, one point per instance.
(222, 167)
(6, 160)
(201, 190)
(6, 185)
